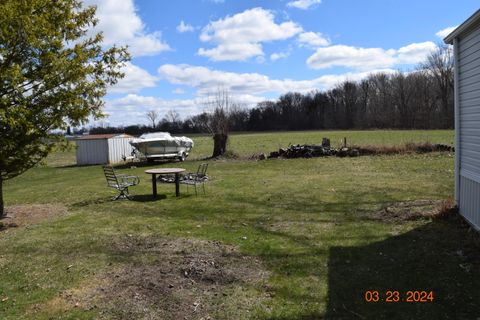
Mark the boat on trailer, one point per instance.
(161, 145)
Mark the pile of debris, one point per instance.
(310, 151)
(325, 150)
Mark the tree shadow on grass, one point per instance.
(69, 166)
(442, 256)
(90, 202)
(134, 198)
(148, 198)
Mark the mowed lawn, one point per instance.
(313, 225)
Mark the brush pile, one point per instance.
(324, 150)
(311, 151)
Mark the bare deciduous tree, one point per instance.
(218, 120)
(172, 116)
(152, 116)
(349, 100)
(402, 93)
(440, 65)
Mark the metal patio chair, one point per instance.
(193, 179)
(166, 178)
(121, 182)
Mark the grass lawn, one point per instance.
(274, 239)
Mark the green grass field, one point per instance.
(246, 145)
(313, 225)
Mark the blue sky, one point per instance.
(183, 51)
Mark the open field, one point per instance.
(248, 144)
(274, 239)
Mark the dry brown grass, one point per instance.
(29, 214)
(177, 279)
(417, 209)
(407, 148)
(446, 209)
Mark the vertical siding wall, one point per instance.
(468, 64)
(470, 200)
(118, 148)
(92, 151)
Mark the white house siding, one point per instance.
(92, 151)
(468, 131)
(118, 147)
(469, 203)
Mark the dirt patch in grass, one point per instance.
(414, 210)
(172, 279)
(25, 215)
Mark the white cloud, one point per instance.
(353, 57)
(279, 55)
(415, 52)
(135, 80)
(445, 32)
(303, 4)
(368, 58)
(204, 80)
(184, 27)
(178, 91)
(232, 51)
(121, 25)
(132, 108)
(239, 37)
(313, 39)
(260, 59)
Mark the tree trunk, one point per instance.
(2, 207)
(219, 144)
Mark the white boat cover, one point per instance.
(162, 136)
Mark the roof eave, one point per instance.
(463, 27)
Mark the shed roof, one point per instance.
(104, 136)
(474, 18)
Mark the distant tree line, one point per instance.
(171, 122)
(419, 99)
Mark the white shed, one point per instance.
(103, 148)
(466, 43)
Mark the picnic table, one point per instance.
(163, 171)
